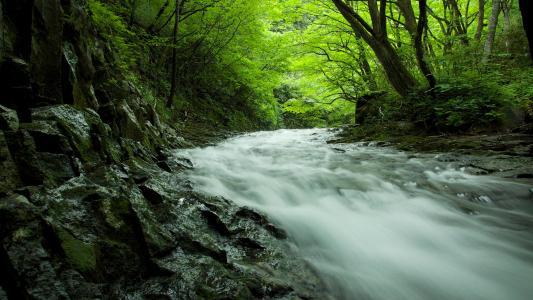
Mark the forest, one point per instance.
(266, 149)
(442, 65)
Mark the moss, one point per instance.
(113, 211)
(79, 254)
(22, 233)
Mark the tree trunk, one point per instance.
(173, 83)
(419, 46)
(480, 20)
(416, 30)
(399, 77)
(458, 22)
(355, 113)
(493, 24)
(376, 37)
(526, 7)
(506, 9)
(158, 16)
(364, 65)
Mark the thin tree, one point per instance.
(416, 30)
(419, 46)
(506, 6)
(158, 16)
(491, 34)
(480, 20)
(526, 7)
(173, 77)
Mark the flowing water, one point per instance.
(378, 223)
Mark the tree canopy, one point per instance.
(301, 63)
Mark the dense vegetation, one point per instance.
(452, 65)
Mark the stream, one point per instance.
(378, 223)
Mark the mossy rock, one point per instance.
(80, 255)
(114, 210)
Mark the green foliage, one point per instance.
(463, 106)
(80, 254)
(113, 29)
(246, 64)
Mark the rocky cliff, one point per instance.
(92, 200)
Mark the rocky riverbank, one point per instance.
(500, 154)
(93, 204)
(83, 215)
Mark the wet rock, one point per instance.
(158, 237)
(9, 177)
(28, 262)
(78, 126)
(524, 175)
(214, 221)
(47, 138)
(128, 123)
(100, 225)
(3, 295)
(81, 255)
(176, 163)
(24, 153)
(8, 119)
(31, 263)
(151, 194)
(56, 167)
(504, 166)
(78, 287)
(37, 167)
(476, 171)
(250, 214)
(6, 45)
(77, 75)
(164, 166)
(192, 273)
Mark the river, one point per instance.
(378, 223)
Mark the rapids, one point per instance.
(378, 223)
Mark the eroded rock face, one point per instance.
(46, 50)
(92, 203)
(8, 119)
(9, 177)
(98, 233)
(76, 222)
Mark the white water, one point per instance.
(378, 223)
